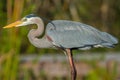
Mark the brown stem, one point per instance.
(73, 69)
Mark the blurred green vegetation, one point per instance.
(102, 14)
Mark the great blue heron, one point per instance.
(66, 35)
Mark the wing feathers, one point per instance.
(70, 34)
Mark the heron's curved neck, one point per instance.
(40, 28)
(35, 33)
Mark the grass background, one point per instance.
(102, 14)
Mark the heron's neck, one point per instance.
(40, 28)
(35, 33)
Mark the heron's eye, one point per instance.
(24, 19)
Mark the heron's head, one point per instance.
(27, 20)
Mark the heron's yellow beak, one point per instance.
(13, 24)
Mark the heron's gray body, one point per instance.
(69, 34)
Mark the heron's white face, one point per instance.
(26, 21)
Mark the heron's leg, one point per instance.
(73, 69)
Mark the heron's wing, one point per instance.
(70, 34)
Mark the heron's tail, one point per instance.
(110, 41)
